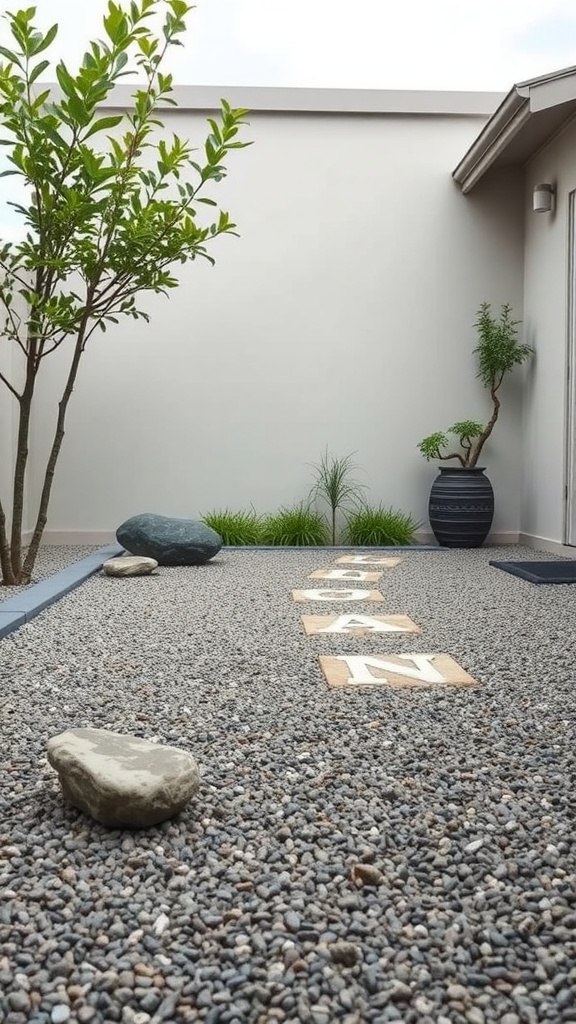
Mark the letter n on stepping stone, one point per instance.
(398, 671)
(353, 575)
(336, 595)
(358, 625)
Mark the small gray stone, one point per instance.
(345, 953)
(60, 1014)
(129, 565)
(474, 846)
(457, 992)
(366, 874)
(292, 920)
(19, 1001)
(169, 541)
(400, 993)
(122, 781)
(475, 1016)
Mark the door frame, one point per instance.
(569, 524)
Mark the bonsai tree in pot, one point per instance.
(461, 505)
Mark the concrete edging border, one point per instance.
(17, 610)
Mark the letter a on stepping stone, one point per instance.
(336, 595)
(394, 670)
(358, 625)
(367, 560)
(345, 574)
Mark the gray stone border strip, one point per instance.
(17, 610)
(388, 549)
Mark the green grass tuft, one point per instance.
(378, 526)
(235, 528)
(297, 526)
(335, 485)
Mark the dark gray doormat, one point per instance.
(541, 572)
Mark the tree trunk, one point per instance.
(488, 428)
(20, 472)
(5, 563)
(42, 517)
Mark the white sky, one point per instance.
(375, 44)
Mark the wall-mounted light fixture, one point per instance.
(543, 198)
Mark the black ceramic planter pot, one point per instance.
(461, 507)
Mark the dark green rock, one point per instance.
(169, 541)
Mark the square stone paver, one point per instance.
(333, 594)
(350, 575)
(360, 560)
(358, 625)
(398, 671)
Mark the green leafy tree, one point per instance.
(114, 206)
(498, 353)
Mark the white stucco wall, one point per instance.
(545, 316)
(341, 317)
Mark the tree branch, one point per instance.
(453, 455)
(10, 387)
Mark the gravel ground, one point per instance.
(50, 560)
(459, 804)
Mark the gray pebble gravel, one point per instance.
(246, 909)
(51, 559)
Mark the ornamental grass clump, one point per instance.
(235, 528)
(378, 526)
(296, 526)
(336, 486)
(498, 352)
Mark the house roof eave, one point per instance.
(531, 113)
(504, 124)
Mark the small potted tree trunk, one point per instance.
(461, 506)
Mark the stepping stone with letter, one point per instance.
(356, 575)
(337, 595)
(367, 560)
(358, 625)
(398, 671)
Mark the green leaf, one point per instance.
(11, 57)
(46, 41)
(65, 80)
(78, 111)
(179, 8)
(103, 123)
(38, 70)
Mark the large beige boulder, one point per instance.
(129, 565)
(122, 781)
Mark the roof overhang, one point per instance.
(528, 117)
